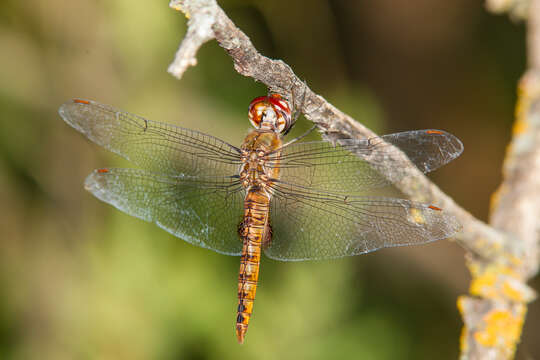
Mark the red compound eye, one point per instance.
(256, 110)
(279, 102)
(262, 109)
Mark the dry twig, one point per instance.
(500, 263)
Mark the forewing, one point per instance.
(149, 144)
(427, 149)
(353, 166)
(204, 211)
(313, 226)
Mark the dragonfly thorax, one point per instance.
(259, 168)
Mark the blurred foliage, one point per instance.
(79, 280)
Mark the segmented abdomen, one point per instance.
(254, 231)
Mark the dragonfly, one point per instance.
(294, 201)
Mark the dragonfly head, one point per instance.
(270, 112)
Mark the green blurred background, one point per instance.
(80, 280)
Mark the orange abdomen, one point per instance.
(254, 231)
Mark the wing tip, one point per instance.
(67, 113)
(94, 182)
(453, 143)
(448, 225)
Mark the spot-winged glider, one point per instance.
(296, 201)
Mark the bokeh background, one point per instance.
(80, 280)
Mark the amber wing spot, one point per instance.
(434, 132)
(434, 208)
(102, 171)
(80, 101)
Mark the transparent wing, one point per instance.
(204, 211)
(316, 225)
(353, 166)
(149, 144)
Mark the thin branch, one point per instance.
(199, 32)
(334, 125)
(495, 315)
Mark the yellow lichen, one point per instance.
(496, 246)
(522, 101)
(525, 93)
(508, 271)
(520, 126)
(460, 304)
(488, 246)
(495, 199)
(495, 282)
(178, 7)
(473, 268)
(512, 293)
(502, 329)
(515, 261)
(484, 285)
(463, 343)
